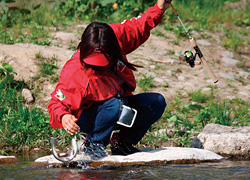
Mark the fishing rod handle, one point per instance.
(203, 60)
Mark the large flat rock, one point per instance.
(167, 155)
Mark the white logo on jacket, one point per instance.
(59, 95)
(131, 19)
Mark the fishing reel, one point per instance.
(190, 58)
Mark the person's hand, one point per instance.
(163, 4)
(69, 124)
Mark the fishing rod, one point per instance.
(190, 58)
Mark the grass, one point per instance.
(20, 126)
(233, 40)
(32, 22)
(158, 33)
(47, 67)
(185, 118)
(145, 83)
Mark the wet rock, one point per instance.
(6, 160)
(47, 161)
(167, 155)
(224, 140)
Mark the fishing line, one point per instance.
(181, 21)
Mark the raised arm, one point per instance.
(131, 33)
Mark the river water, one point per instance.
(204, 171)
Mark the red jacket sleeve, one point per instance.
(66, 99)
(131, 33)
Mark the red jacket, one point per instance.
(78, 89)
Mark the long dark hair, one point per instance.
(101, 36)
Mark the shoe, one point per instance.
(118, 147)
(94, 150)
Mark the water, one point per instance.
(203, 171)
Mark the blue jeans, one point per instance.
(100, 119)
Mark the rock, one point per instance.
(6, 160)
(224, 140)
(81, 26)
(181, 78)
(171, 143)
(151, 74)
(203, 42)
(27, 95)
(221, 85)
(152, 66)
(229, 62)
(167, 155)
(244, 94)
(169, 72)
(244, 74)
(47, 161)
(210, 81)
(230, 97)
(195, 34)
(248, 87)
(159, 80)
(65, 36)
(228, 54)
(227, 75)
(206, 90)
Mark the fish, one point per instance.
(69, 155)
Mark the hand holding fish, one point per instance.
(69, 124)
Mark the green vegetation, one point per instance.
(145, 83)
(32, 22)
(47, 68)
(185, 118)
(6, 72)
(21, 127)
